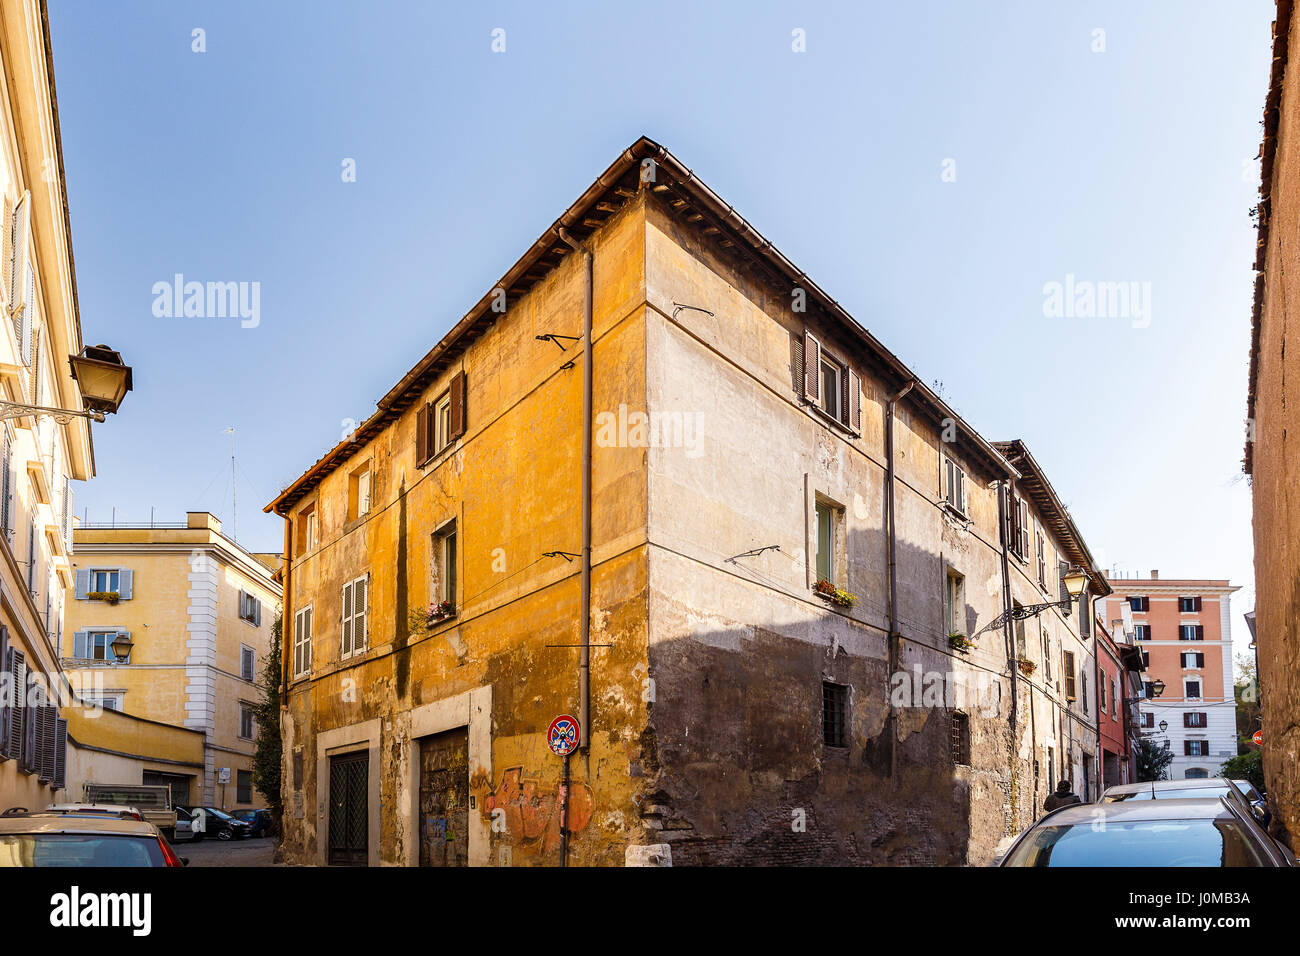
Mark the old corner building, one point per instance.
(1273, 466)
(756, 460)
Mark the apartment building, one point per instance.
(1120, 682)
(1184, 631)
(42, 452)
(171, 623)
(763, 566)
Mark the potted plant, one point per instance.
(110, 597)
(440, 612)
(1027, 667)
(960, 642)
(825, 589)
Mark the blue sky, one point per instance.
(1135, 164)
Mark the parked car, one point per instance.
(1205, 788)
(1159, 832)
(183, 831)
(216, 823)
(153, 801)
(108, 809)
(260, 821)
(74, 838)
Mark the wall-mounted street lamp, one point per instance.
(103, 379)
(121, 646)
(1075, 579)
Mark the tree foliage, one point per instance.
(267, 759)
(1248, 766)
(1153, 760)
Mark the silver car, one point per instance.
(1160, 832)
(1204, 788)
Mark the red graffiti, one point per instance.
(533, 814)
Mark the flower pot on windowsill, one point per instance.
(1027, 667)
(827, 591)
(108, 597)
(438, 613)
(960, 642)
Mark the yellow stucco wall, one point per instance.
(512, 484)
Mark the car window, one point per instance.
(78, 849)
(219, 814)
(1190, 793)
(1139, 843)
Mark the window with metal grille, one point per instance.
(835, 714)
(960, 738)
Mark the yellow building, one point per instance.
(170, 623)
(106, 746)
(39, 330)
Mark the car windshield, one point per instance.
(79, 849)
(1190, 793)
(1138, 843)
(219, 814)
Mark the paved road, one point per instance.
(214, 852)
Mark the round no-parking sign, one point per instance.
(563, 735)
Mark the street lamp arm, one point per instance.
(1023, 612)
(61, 415)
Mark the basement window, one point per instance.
(835, 714)
(960, 738)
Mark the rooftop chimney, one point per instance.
(1155, 574)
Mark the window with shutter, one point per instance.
(812, 365)
(855, 402)
(6, 486)
(457, 409)
(422, 434)
(18, 257)
(17, 671)
(27, 315)
(302, 642)
(1067, 664)
(60, 753)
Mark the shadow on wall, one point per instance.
(744, 769)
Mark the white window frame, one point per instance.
(954, 599)
(116, 579)
(445, 569)
(442, 423)
(1200, 688)
(831, 398)
(302, 638)
(350, 618)
(363, 492)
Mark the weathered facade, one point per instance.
(1273, 466)
(756, 458)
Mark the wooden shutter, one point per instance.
(45, 746)
(1085, 613)
(5, 488)
(124, 583)
(18, 254)
(18, 683)
(422, 434)
(81, 585)
(457, 406)
(60, 753)
(360, 612)
(346, 645)
(25, 322)
(1200, 632)
(6, 705)
(297, 643)
(796, 364)
(257, 612)
(812, 367)
(308, 639)
(36, 368)
(854, 406)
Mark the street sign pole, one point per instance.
(563, 737)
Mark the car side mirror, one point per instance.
(185, 861)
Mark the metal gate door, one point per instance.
(349, 821)
(444, 799)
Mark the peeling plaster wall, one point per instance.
(739, 648)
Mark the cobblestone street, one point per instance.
(212, 852)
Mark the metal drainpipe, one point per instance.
(893, 560)
(584, 659)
